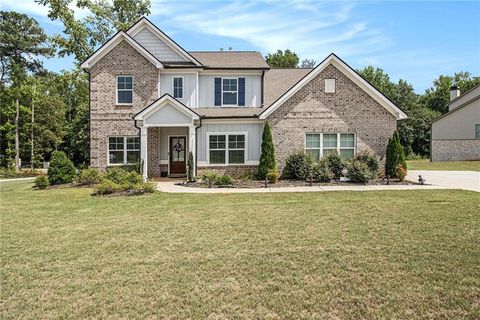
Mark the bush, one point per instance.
(273, 175)
(359, 172)
(107, 186)
(400, 172)
(41, 182)
(321, 173)
(395, 156)
(335, 165)
(267, 156)
(190, 173)
(223, 180)
(209, 176)
(298, 165)
(61, 169)
(88, 177)
(370, 159)
(142, 188)
(117, 175)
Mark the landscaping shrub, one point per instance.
(359, 172)
(400, 172)
(321, 173)
(370, 159)
(273, 175)
(107, 186)
(246, 176)
(223, 180)
(335, 165)
(209, 176)
(88, 177)
(61, 169)
(267, 156)
(298, 165)
(190, 174)
(41, 182)
(395, 156)
(142, 188)
(116, 174)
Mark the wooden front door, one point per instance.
(177, 155)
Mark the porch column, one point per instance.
(191, 145)
(143, 148)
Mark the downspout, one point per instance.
(196, 147)
(89, 119)
(431, 140)
(261, 99)
(139, 149)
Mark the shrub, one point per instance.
(370, 159)
(273, 175)
(107, 186)
(223, 180)
(142, 188)
(117, 175)
(335, 165)
(190, 174)
(267, 156)
(395, 156)
(359, 172)
(209, 176)
(298, 165)
(88, 177)
(132, 178)
(41, 182)
(400, 172)
(61, 169)
(321, 173)
(246, 175)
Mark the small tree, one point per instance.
(61, 169)
(267, 157)
(190, 176)
(395, 156)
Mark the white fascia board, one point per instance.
(167, 99)
(112, 43)
(145, 23)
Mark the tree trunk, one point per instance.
(33, 122)
(17, 140)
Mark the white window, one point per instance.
(322, 144)
(178, 87)
(226, 148)
(229, 91)
(123, 150)
(330, 85)
(124, 90)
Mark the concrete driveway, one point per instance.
(466, 180)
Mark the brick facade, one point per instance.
(233, 171)
(349, 109)
(455, 150)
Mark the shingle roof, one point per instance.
(239, 112)
(279, 81)
(230, 59)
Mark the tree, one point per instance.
(308, 63)
(267, 156)
(61, 169)
(280, 59)
(81, 36)
(395, 156)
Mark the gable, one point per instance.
(167, 115)
(156, 46)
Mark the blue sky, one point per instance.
(415, 41)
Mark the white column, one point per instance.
(191, 144)
(143, 148)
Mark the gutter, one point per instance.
(196, 145)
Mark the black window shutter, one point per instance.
(241, 91)
(218, 91)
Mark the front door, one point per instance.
(177, 155)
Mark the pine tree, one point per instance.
(395, 155)
(401, 155)
(267, 157)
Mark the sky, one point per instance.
(414, 41)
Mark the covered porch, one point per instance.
(167, 136)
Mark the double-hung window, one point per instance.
(230, 91)
(125, 90)
(178, 87)
(226, 148)
(322, 144)
(123, 150)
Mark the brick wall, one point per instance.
(455, 150)
(349, 109)
(233, 171)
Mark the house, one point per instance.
(455, 136)
(153, 102)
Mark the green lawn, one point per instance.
(347, 255)
(425, 164)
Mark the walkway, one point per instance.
(466, 180)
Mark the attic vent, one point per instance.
(329, 85)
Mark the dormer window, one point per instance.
(230, 91)
(178, 87)
(124, 90)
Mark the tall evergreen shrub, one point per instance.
(395, 156)
(61, 169)
(267, 157)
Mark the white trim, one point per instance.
(168, 150)
(236, 101)
(247, 163)
(338, 147)
(124, 163)
(197, 94)
(144, 23)
(347, 71)
(180, 70)
(173, 86)
(116, 89)
(226, 134)
(167, 99)
(159, 87)
(112, 43)
(228, 72)
(232, 120)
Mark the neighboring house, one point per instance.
(153, 102)
(455, 136)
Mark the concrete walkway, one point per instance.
(466, 180)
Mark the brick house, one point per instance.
(152, 102)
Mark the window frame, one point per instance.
(117, 90)
(477, 130)
(329, 82)
(236, 99)
(173, 86)
(125, 150)
(227, 148)
(338, 147)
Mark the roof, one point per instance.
(279, 81)
(162, 101)
(230, 59)
(468, 97)
(218, 112)
(347, 71)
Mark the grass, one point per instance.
(389, 254)
(425, 164)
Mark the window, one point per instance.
(178, 87)
(226, 149)
(322, 144)
(123, 150)
(230, 91)
(124, 90)
(477, 131)
(330, 85)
